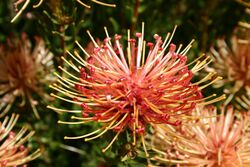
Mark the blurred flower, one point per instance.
(125, 88)
(26, 3)
(242, 103)
(97, 2)
(215, 141)
(233, 64)
(244, 23)
(23, 72)
(12, 150)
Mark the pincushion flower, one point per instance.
(23, 73)
(215, 141)
(233, 64)
(12, 149)
(127, 88)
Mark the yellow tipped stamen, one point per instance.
(83, 4)
(136, 114)
(166, 39)
(84, 51)
(111, 118)
(118, 123)
(62, 90)
(195, 61)
(129, 49)
(222, 97)
(140, 48)
(63, 84)
(169, 40)
(134, 134)
(20, 11)
(210, 83)
(91, 65)
(70, 64)
(69, 94)
(107, 34)
(153, 107)
(100, 134)
(64, 79)
(209, 76)
(71, 123)
(37, 5)
(144, 145)
(104, 4)
(110, 144)
(200, 65)
(203, 99)
(63, 110)
(179, 49)
(143, 52)
(83, 136)
(180, 101)
(73, 83)
(184, 51)
(82, 62)
(81, 118)
(104, 113)
(92, 39)
(70, 101)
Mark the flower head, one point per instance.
(12, 149)
(233, 63)
(23, 71)
(127, 88)
(215, 141)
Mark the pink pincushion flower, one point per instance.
(215, 141)
(127, 88)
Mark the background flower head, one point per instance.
(213, 140)
(12, 149)
(232, 62)
(24, 71)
